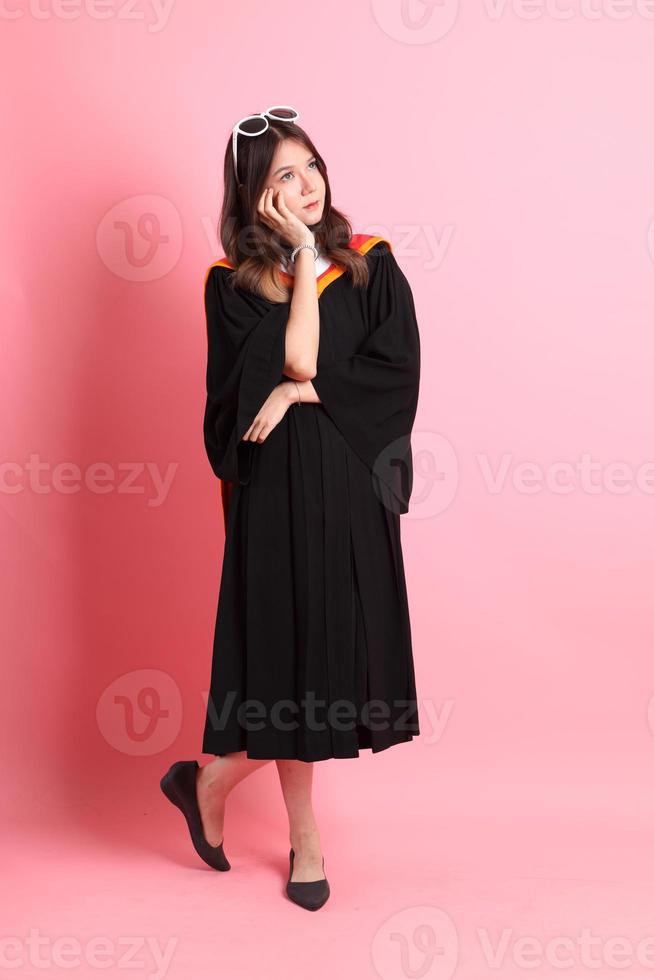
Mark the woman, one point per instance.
(312, 386)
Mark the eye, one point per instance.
(289, 173)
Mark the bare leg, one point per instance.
(296, 779)
(215, 781)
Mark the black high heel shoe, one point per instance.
(179, 786)
(310, 895)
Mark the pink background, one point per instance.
(507, 152)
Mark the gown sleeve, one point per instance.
(245, 360)
(372, 396)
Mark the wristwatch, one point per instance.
(304, 245)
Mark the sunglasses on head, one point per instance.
(258, 123)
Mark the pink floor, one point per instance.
(506, 865)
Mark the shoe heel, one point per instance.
(167, 784)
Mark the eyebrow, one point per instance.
(290, 166)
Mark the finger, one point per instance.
(255, 430)
(281, 203)
(269, 205)
(248, 433)
(261, 203)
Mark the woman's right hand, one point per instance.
(271, 412)
(276, 215)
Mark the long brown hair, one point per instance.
(252, 247)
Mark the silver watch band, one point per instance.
(304, 245)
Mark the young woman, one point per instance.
(312, 387)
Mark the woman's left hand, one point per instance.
(271, 412)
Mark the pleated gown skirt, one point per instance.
(312, 655)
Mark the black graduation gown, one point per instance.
(312, 655)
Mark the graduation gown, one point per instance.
(312, 655)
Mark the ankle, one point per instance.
(305, 840)
(210, 783)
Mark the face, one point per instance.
(295, 171)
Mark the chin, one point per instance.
(313, 219)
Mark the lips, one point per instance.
(312, 205)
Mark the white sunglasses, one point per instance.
(258, 124)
